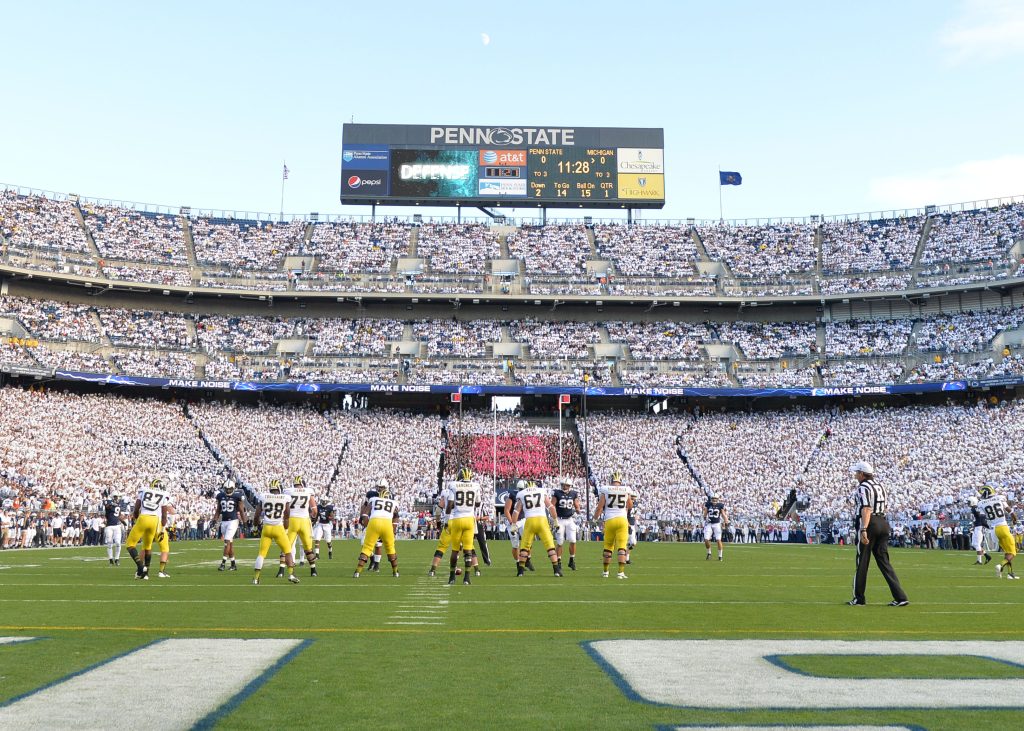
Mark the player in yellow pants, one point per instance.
(273, 512)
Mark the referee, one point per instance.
(874, 534)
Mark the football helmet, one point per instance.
(384, 492)
(382, 484)
(521, 485)
(229, 486)
(465, 474)
(565, 481)
(617, 476)
(275, 485)
(972, 501)
(713, 496)
(986, 492)
(158, 484)
(299, 481)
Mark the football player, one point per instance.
(378, 515)
(715, 517)
(995, 509)
(534, 504)
(444, 536)
(112, 531)
(150, 520)
(461, 507)
(978, 534)
(299, 525)
(163, 540)
(230, 509)
(515, 528)
(567, 505)
(273, 512)
(324, 529)
(613, 502)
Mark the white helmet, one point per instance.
(972, 501)
(229, 486)
(565, 481)
(382, 483)
(521, 485)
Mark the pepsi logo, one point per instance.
(354, 181)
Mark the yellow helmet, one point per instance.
(275, 485)
(299, 481)
(157, 483)
(617, 476)
(465, 474)
(986, 492)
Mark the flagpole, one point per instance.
(284, 177)
(721, 218)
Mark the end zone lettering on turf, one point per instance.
(740, 674)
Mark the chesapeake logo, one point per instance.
(503, 135)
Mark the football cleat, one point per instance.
(163, 575)
(233, 567)
(529, 565)
(558, 572)
(312, 571)
(394, 574)
(280, 572)
(431, 573)
(330, 553)
(145, 577)
(708, 557)
(117, 562)
(987, 558)
(999, 571)
(621, 575)
(604, 574)
(720, 558)
(572, 562)
(256, 582)
(111, 561)
(465, 580)
(896, 603)
(355, 575)
(293, 578)
(451, 580)
(1012, 576)
(855, 603)
(520, 572)
(222, 567)
(476, 572)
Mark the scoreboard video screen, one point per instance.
(578, 167)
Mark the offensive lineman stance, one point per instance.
(536, 506)
(274, 511)
(113, 531)
(567, 505)
(299, 526)
(614, 501)
(230, 510)
(444, 537)
(150, 516)
(379, 515)
(714, 517)
(461, 508)
(515, 528)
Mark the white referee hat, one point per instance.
(862, 466)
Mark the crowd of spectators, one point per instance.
(861, 372)
(966, 332)
(352, 247)
(866, 283)
(758, 375)
(552, 249)
(367, 336)
(654, 375)
(173, 277)
(772, 249)
(867, 337)
(869, 246)
(50, 320)
(459, 338)
(451, 247)
(246, 244)
(155, 363)
(29, 221)
(241, 333)
(761, 340)
(145, 328)
(662, 340)
(668, 251)
(124, 233)
(547, 339)
(468, 372)
(977, 235)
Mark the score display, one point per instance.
(503, 166)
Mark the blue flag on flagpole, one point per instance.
(729, 178)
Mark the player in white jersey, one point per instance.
(150, 516)
(300, 526)
(274, 511)
(379, 515)
(995, 510)
(461, 508)
(536, 507)
(614, 502)
(515, 527)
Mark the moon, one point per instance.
(485, 39)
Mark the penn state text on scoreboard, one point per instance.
(588, 167)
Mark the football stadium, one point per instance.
(536, 419)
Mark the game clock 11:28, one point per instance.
(571, 174)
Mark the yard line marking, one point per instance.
(85, 698)
(14, 640)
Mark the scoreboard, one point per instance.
(578, 167)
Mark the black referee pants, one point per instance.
(877, 546)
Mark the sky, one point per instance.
(824, 108)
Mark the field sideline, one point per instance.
(380, 652)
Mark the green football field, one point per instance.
(382, 653)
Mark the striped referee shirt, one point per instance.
(871, 495)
